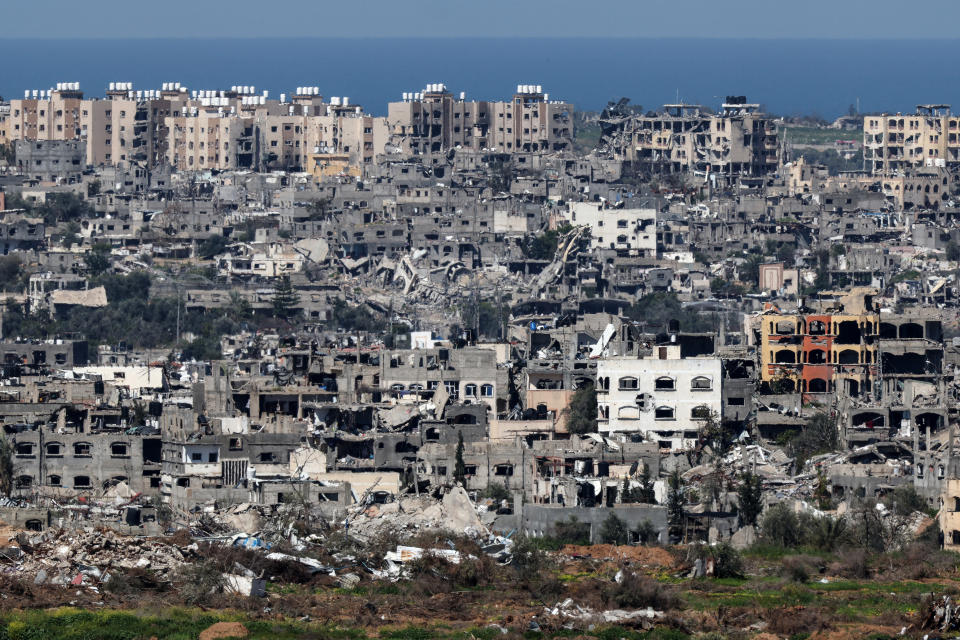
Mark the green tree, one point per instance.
(750, 498)
(626, 493)
(822, 491)
(135, 286)
(675, 503)
(98, 259)
(781, 526)
(572, 531)
(285, 299)
(318, 209)
(138, 414)
(713, 433)
(582, 411)
(6, 466)
(614, 530)
(904, 500)
(239, 308)
(63, 207)
(656, 310)
(8, 154)
(787, 254)
(953, 251)
(500, 174)
(202, 348)
(490, 325)
(646, 532)
(10, 269)
(71, 234)
(212, 246)
(351, 318)
(459, 466)
(645, 493)
(819, 435)
(750, 270)
(543, 246)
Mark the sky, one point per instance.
(478, 18)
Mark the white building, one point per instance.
(630, 230)
(664, 397)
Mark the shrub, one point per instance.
(727, 561)
(614, 530)
(854, 564)
(824, 533)
(199, 583)
(572, 531)
(636, 591)
(528, 559)
(781, 526)
(496, 491)
(646, 532)
(799, 568)
(904, 500)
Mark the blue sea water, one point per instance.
(788, 77)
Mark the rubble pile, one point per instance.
(942, 614)
(87, 556)
(569, 610)
(455, 512)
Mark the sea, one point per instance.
(826, 78)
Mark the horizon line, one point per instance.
(493, 37)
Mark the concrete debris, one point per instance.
(82, 557)
(314, 565)
(348, 580)
(455, 512)
(569, 610)
(943, 614)
(245, 585)
(409, 554)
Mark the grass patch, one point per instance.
(69, 623)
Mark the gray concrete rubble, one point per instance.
(86, 557)
(459, 316)
(455, 513)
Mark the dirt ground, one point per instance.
(7, 533)
(224, 630)
(655, 557)
(856, 632)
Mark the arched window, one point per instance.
(486, 390)
(700, 413)
(848, 356)
(470, 390)
(24, 449)
(54, 480)
(628, 413)
(785, 356)
(54, 449)
(628, 383)
(664, 413)
(82, 450)
(665, 383)
(701, 383)
(24, 482)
